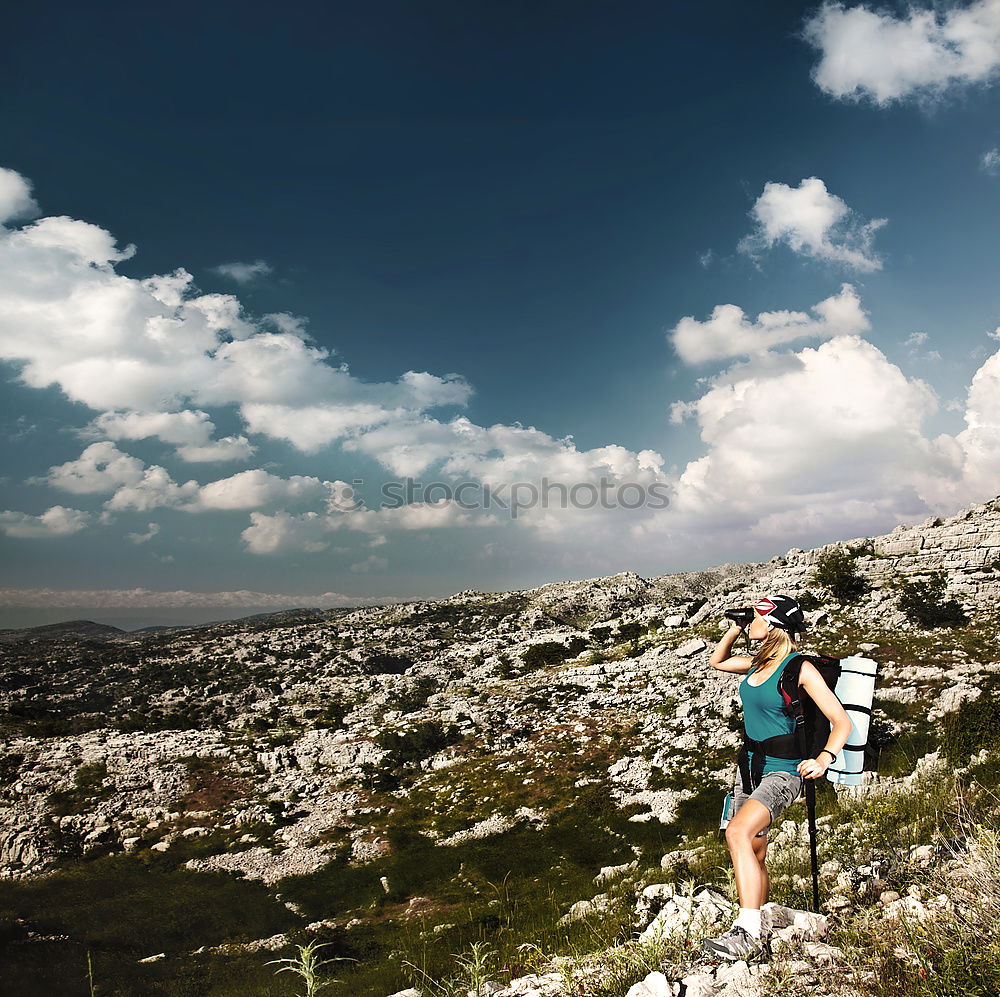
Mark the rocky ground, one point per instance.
(270, 746)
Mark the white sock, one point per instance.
(749, 919)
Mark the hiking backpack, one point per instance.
(852, 680)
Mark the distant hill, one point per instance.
(86, 629)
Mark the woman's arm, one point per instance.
(721, 659)
(840, 723)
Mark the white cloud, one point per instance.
(977, 448)
(990, 162)
(256, 488)
(496, 455)
(151, 357)
(244, 273)
(228, 448)
(293, 325)
(788, 450)
(814, 223)
(282, 532)
(15, 196)
(728, 332)
(191, 431)
(876, 55)
(102, 467)
(57, 521)
(154, 490)
(140, 538)
(824, 441)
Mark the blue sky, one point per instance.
(485, 243)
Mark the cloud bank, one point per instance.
(798, 440)
(142, 598)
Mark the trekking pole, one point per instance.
(811, 808)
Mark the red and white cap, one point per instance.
(783, 612)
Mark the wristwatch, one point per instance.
(833, 757)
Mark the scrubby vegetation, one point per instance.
(551, 652)
(973, 726)
(836, 571)
(923, 602)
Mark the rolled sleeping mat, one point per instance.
(855, 689)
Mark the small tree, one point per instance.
(836, 572)
(923, 602)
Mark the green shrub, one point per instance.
(630, 631)
(969, 728)
(836, 572)
(332, 713)
(386, 664)
(549, 652)
(808, 601)
(923, 602)
(415, 696)
(505, 667)
(405, 750)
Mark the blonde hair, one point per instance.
(773, 647)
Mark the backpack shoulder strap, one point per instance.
(788, 686)
(788, 683)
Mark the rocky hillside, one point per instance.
(285, 745)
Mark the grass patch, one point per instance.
(211, 786)
(122, 909)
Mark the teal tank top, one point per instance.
(764, 717)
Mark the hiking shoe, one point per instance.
(736, 943)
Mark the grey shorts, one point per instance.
(776, 790)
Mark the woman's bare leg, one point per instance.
(752, 882)
(760, 852)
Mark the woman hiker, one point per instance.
(776, 621)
